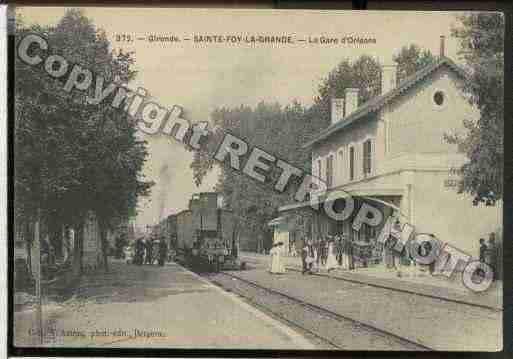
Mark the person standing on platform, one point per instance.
(162, 252)
(491, 254)
(338, 249)
(350, 253)
(139, 252)
(323, 250)
(482, 250)
(308, 256)
(331, 259)
(149, 251)
(276, 266)
(318, 251)
(345, 252)
(304, 255)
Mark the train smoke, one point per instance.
(165, 176)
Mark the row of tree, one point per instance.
(282, 130)
(71, 157)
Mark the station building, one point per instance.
(391, 152)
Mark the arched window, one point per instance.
(341, 165)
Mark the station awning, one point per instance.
(277, 221)
(365, 194)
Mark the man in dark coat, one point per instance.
(162, 252)
(149, 251)
(307, 256)
(482, 250)
(139, 252)
(491, 254)
(349, 251)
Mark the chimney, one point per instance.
(442, 46)
(337, 109)
(388, 78)
(351, 95)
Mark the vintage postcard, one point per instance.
(257, 179)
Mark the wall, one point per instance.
(451, 216)
(414, 124)
(341, 141)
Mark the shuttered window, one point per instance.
(351, 163)
(329, 171)
(367, 157)
(341, 166)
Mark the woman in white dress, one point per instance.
(331, 260)
(277, 266)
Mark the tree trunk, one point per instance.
(104, 245)
(27, 234)
(235, 250)
(78, 245)
(55, 239)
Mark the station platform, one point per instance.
(154, 307)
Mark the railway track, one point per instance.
(334, 330)
(488, 307)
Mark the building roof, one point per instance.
(378, 102)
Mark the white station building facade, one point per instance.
(392, 149)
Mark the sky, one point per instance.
(200, 77)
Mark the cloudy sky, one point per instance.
(201, 77)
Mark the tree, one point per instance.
(73, 157)
(411, 59)
(481, 37)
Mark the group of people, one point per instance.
(336, 252)
(328, 252)
(149, 250)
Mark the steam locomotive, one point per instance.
(204, 236)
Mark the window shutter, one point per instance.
(329, 171)
(351, 163)
(367, 157)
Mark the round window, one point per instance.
(439, 98)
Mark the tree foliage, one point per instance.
(481, 37)
(72, 157)
(410, 59)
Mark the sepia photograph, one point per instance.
(257, 179)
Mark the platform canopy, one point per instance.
(278, 221)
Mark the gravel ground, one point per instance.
(336, 333)
(431, 322)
